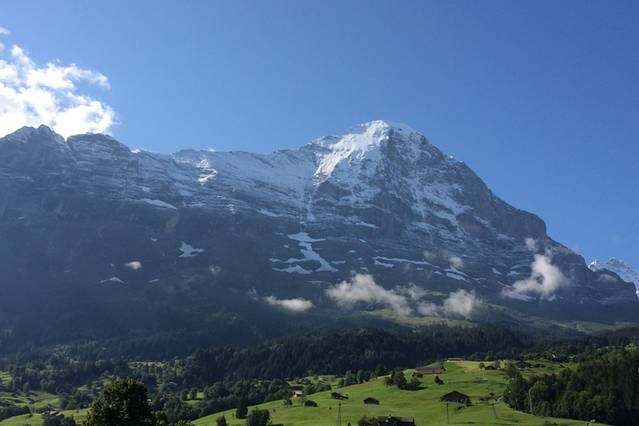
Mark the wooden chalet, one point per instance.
(456, 397)
(51, 413)
(428, 369)
(337, 395)
(395, 421)
(371, 401)
(309, 403)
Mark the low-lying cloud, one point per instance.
(458, 303)
(544, 280)
(403, 300)
(295, 305)
(31, 95)
(362, 288)
(456, 261)
(135, 265)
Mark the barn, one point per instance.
(395, 421)
(429, 369)
(456, 397)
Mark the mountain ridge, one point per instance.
(380, 201)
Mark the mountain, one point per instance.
(104, 241)
(625, 271)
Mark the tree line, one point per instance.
(604, 387)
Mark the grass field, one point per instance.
(36, 400)
(423, 404)
(37, 420)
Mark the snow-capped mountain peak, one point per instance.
(379, 199)
(360, 143)
(625, 271)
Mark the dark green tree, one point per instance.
(258, 418)
(399, 379)
(123, 402)
(241, 411)
(367, 421)
(58, 421)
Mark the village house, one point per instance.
(428, 369)
(371, 401)
(456, 397)
(51, 413)
(395, 421)
(296, 391)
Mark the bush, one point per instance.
(258, 418)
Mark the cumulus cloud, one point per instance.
(215, 269)
(531, 244)
(428, 309)
(135, 265)
(4, 31)
(458, 303)
(362, 288)
(402, 299)
(456, 261)
(31, 95)
(295, 305)
(412, 291)
(544, 280)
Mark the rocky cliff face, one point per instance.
(624, 270)
(89, 214)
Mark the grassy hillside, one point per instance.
(423, 404)
(37, 420)
(36, 401)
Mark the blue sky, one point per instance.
(540, 98)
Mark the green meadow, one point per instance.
(37, 420)
(483, 387)
(36, 401)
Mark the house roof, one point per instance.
(454, 396)
(396, 419)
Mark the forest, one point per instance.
(223, 378)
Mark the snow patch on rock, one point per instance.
(189, 251)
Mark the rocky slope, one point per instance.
(624, 270)
(87, 216)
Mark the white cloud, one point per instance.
(135, 265)
(362, 288)
(412, 291)
(31, 95)
(456, 262)
(215, 269)
(428, 309)
(544, 280)
(460, 302)
(295, 305)
(531, 244)
(4, 31)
